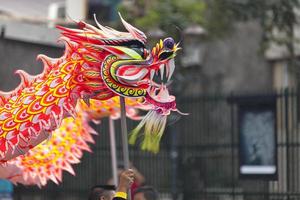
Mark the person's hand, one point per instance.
(139, 177)
(126, 179)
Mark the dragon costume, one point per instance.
(99, 63)
(65, 147)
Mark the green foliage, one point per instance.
(165, 14)
(218, 19)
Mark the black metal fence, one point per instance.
(199, 157)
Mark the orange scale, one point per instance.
(60, 91)
(35, 107)
(9, 125)
(55, 82)
(4, 115)
(70, 83)
(41, 91)
(48, 99)
(67, 67)
(22, 116)
(7, 107)
(28, 99)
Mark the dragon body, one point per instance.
(65, 147)
(98, 63)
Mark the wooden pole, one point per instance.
(124, 137)
(113, 151)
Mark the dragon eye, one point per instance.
(165, 55)
(140, 51)
(137, 46)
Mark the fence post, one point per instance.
(286, 115)
(174, 161)
(232, 145)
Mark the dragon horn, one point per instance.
(136, 33)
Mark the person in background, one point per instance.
(109, 192)
(125, 182)
(145, 193)
(139, 179)
(102, 192)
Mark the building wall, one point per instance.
(233, 63)
(16, 55)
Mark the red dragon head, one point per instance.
(118, 63)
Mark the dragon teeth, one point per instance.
(152, 72)
(167, 70)
(171, 66)
(162, 69)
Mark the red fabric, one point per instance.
(134, 186)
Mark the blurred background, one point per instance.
(237, 75)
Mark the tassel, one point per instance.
(154, 125)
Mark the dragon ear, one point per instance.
(136, 33)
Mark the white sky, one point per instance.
(28, 8)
